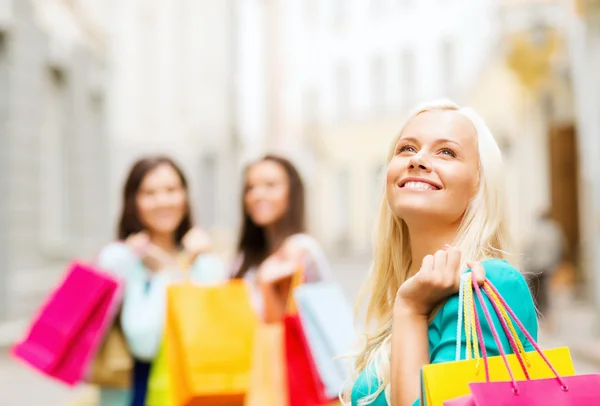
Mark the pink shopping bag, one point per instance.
(71, 324)
(582, 390)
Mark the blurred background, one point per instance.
(87, 86)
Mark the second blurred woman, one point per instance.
(273, 243)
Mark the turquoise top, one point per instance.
(144, 302)
(442, 329)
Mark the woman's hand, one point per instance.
(438, 278)
(196, 242)
(275, 269)
(153, 257)
(139, 243)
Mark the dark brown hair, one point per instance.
(253, 240)
(130, 222)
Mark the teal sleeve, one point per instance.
(513, 288)
(117, 259)
(143, 314)
(209, 268)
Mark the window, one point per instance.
(3, 81)
(378, 6)
(447, 67)
(342, 81)
(148, 81)
(343, 214)
(310, 111)
(340, 9)
(378, 84)
(310, 10)
(183, 55)
(209, 191)
(408, 77)
(377, 188)
(54, 176)
(4, 116)
(5, 298)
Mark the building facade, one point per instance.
(584, 45)
(338, 79)
(53, 156)
(171, 90)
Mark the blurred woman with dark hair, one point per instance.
(156, 233)
(273, 242)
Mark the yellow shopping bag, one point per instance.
(451, 380)
(209, 341)
(159, 393)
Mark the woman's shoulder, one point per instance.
(308, 249)
(114, 252)
(504, 276)
(117, 258)
(208, 268)
(302, 240)
(511, 285)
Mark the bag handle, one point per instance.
(297, 280)
(465, 312)
(489, 287)
(520, 348)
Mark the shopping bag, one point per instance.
(327, 319)
(70, 326)
(450, 380)
(209, 342)
(112, 367)
(268, 383)
(159, 389)
(304, 383)
(557, 390)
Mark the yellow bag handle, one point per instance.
(297, 280)
(494, 297)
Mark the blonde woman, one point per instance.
(442, 213)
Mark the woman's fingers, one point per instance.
(478, 271)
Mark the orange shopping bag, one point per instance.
(268, 381)
(209, 342)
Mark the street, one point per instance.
(20, 386)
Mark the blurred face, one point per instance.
(267, 193)
(435, 170)
(161, 200)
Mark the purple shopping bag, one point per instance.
(70, 326)
(582, 390)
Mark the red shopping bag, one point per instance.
(70, 326)
(305, 387)
(582, 390)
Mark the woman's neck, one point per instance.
(425, 242)
(166, 242)
(275, 237)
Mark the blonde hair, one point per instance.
(482, 234)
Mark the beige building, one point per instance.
(583, 31)
(53, 149)
(171, 90)
(329, 82)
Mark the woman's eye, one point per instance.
(448, 152)
(407, 148)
